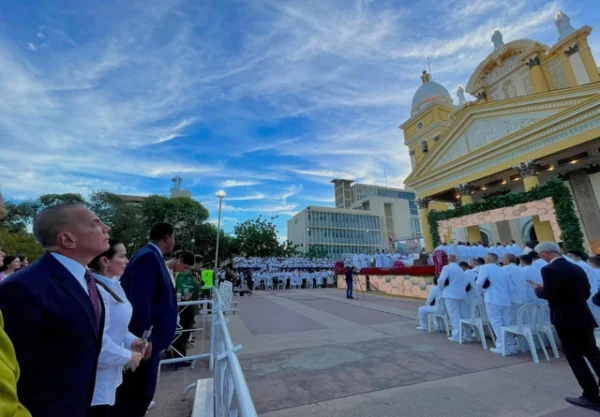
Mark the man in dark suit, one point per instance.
(149, 288)
(567, 289)
(54, 315)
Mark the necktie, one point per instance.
(93, 291)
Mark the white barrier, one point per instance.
(231, 395)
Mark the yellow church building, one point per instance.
(536, 115)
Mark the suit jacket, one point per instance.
(567, 289)
(9, 374)
(148, 286)
(51, 322)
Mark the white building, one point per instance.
(366, 218)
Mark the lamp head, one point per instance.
(221, 194)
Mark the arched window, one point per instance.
(424, 146)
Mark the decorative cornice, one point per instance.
(503, 152)
(527, 169)
(423, 203)
(481, 95)
(572, 50)
(465, 123)
(533, 62)
(464, 189)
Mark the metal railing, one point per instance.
(232, 397)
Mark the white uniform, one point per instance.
(473, 251)
(378, 260)
(434, 294)
(453, 293)
(534, 275)
(357, 262)
(500, 251)
(463, 253)
(481, 251)
(539, 264)
(593, 280)
(516, 250)
(496, 297)
(442, 248)
(366, 260)
(473, 294)
(517, 286)
(452, 249)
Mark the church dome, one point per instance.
(427, 93)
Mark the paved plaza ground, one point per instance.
(314, 353)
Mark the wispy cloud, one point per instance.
(237, 183)
(272, 99)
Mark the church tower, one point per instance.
(429, 118)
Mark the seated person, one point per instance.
(431, 306)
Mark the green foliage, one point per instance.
(257, 237)
(571, 233)
(317, 251)
(19, 242)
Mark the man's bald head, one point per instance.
(492, 258)
(51, 222)
(451, 258)
(72, 230)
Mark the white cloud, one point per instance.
(256, 196)
(40, 35)
(31, 47)
(237, 183)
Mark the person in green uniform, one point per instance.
(188, 288)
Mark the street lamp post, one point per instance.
(220, 196)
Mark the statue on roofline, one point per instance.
(497, 39)
(563, 25)
(425, 77)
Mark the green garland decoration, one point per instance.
(571, 233)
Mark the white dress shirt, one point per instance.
(471, 276)
(497, 293)
(591, 275)
(516, 250)
(434, 294)
(517, 284)
(116, 342)
(455, 290)
(75, 268)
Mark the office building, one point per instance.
(366, 218)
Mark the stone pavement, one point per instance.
(314, 353)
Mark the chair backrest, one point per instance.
(442, 306)
(543, 315)
(527, 316)
(478, 310)
(226, 292)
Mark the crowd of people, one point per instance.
(272, 272)
(467, 251)
(83, 329)
(567, 280)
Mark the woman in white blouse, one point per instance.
(120, 348)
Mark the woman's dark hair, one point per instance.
(22, 257)
(95, 264)
(7, 261)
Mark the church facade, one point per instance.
(536, 115)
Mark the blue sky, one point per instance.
(269, 100)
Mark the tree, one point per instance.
(20, 243)
(257, 237)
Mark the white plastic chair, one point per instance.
(441, 314)
(478, 320)
(528, 328)
(546, 328)
(226, 293)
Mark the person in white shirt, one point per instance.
(581, 259)
(452, 249)
(463, 252)
(481, 250)
(471, 279)
(431, 306)
(536, 261)
(357, 262)
(594, 262)
(366, 260)
(378, 260)
(473, 251)
(517, 284)
(516, 249)
(452, 280)
(532, 274)
(442, 246)
(500, 250)
(493, 281)
(120, 348)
